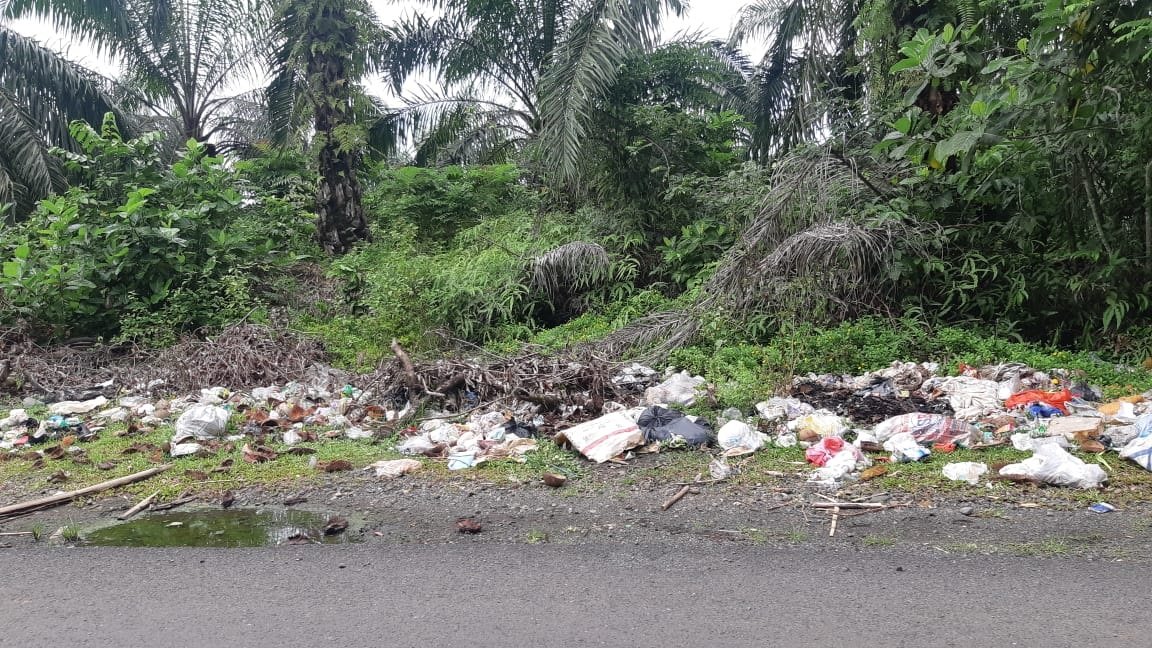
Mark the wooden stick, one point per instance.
(174, 503)
(848, 505)
(679, 494)
(15, 533)
(405, 363)
(140, 506)
(60, 498)
(835, 520)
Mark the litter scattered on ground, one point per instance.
(464, 414)
(969, 471)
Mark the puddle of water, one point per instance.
(216, 528)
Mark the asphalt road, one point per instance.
(474, 595)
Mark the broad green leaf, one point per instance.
(11, 269)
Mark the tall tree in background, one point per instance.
(324, 48)
(520, 70)
(40, 93)
(180, 61)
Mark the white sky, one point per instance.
(712, 18)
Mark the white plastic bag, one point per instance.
(776, 409)
(1139, 450)
(418, 444)
(738, 438)
(1052, 464)
(680, 389)
(904, 448)
(68, 408)
(605, 437)
(1025, 442)
(970, 398)
(395, 467)
(969, 471)
(202, 422)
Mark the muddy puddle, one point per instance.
(220, 528)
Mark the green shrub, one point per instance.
(138, 248)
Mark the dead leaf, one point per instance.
(256, 416)
(300, 450)
(106, 465)
(336, 524)
(54, 452)
(224, 466)
(259, 454)
(554, 480)
(467, 525)
(67, 441)
(196, 475)
(873, 472)
(336, 465)
(57, 477)
(228, 498)
(1093, 446)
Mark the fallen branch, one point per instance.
(406, 363)
(174, 503)
(143, 504)
(680, 493)
(6, 534)
(848, 505)
(835, 521)
(61, 498)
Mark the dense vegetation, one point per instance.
(888, 179)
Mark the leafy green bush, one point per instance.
(442, 202)
(136, 248)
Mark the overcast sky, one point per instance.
(709, 17)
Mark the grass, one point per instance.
(186, 474)
(878, 541)
(536, 536)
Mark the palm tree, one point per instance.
(525, 69)
(180, 61)
(323, 49)
(805, 83)
(40, 94)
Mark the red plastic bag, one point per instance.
(820, 453)
(1052, 399)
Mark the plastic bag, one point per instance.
(905, 449)
(926, 429)
(1052, 464)
(823, 451)
(824, 424)
(1026, 442)
(202, 422)
(395, 467)
(837, 467)
(1058, 399)
(1139, 450)
(420, 444)
(605, 437)
(663, 424)
(679, 389)
(777, 409)
(969, 471)
(68, 408)
(970, 398)
(737, 438)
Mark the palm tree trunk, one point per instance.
(340, 219)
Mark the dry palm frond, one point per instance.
(652, 337)
(571, 267)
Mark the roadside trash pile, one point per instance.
(467, 414)
(905, 413)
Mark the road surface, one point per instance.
(548, 595)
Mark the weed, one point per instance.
(70, 533)
(536, 536)
(878, 541)
(754, 535)
(37, 531)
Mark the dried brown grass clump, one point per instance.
(242, 355)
